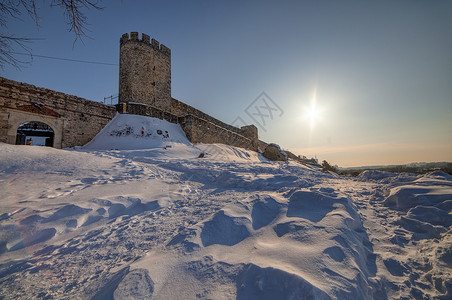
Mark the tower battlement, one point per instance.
(146, 40)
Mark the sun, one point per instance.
(313, 113)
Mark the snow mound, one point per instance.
(151, 138)
(410, 196)
(226, 153)
(136, 285)
(375, 175)
(224, 230)
(425, 205)
(264, 247)
(386, 177)
(34, 238)
(440, 175)
(127, 284)
(270, 283)
(311, 206)
(128, 132)
(264, 211)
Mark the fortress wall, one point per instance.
(181, 109)
(202, 131)
(80, 119)
(249, 132)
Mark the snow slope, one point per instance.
(127, 132)
(164, 224)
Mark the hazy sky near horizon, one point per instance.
(380, 71)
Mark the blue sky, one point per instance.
(381, 70)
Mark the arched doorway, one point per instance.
(35, 133)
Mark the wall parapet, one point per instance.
(11, 89)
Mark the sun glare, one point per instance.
(313, 113)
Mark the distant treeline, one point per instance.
(417, 168)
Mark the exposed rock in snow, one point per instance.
(273, 152)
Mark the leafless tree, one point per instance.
(73, 12)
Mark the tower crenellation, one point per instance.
(165, 49)
(146, 40)
(155, 44)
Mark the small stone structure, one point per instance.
(274, 152)
(144, 89)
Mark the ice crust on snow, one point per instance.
(153, 223)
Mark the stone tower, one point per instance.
(144, 71)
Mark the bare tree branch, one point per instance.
(72, 10)
(76, 19)
(14, 8)
(8, 44)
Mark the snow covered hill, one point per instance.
(155, 223)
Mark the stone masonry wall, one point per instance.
(181, 109)
(202, 131)
(144, 71)
(80, 119)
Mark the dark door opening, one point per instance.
(35, 133)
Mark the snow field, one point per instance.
(147, 222)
